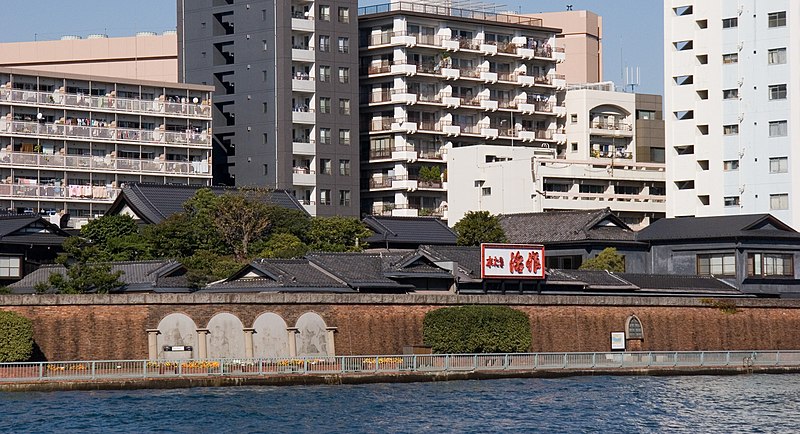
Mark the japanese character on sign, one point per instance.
(494, 262)
(516, 264)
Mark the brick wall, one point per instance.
(94, 327)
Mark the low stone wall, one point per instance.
(109, 327)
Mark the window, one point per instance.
(779, 165)
(325, 197)
(344, 106)
(344, 75)
(573, 118)
(778, 128)
(731, 201)
(702, 59)
(770, 265)
(486, 191)
(325, 136)
(730, 94)
(324, 73)
(344, 197)
(730, 130)
(324, 105)
(777, 91)
(325, 166)
(574, 146)
(344, 137)
(730, 165)
(344, 45)
(344, 15)
(730, 58)
(344, 167)
(718, 264)
(266, 169)
(776, 56)
(10, 266)
(683, 10)
(681, 80)
(592, 188)
(779, 201)
(324, 12)
(265, 138)
(776, 19)
(729, 23)
(684, 114)
(264, 107)
(633, 328)
(649, 115)
(683, 45)
(556, 186)
(325, 43)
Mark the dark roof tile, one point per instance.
(409, 231)
(565, 226)
(732, 226)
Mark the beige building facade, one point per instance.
(581, 38)
(147, 56)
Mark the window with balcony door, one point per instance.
(325, 197)
(344, 106)
(324, 105)
(344, 15)
(324, 43)
(344, 197)
(344, 75)
(324, 73)
(344, 137)
(324, 12)
(325, 166)
(325, 136)
(344, 45)
(344, 167)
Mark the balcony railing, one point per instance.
(62, 131)
(382, 182)
(450, 12)
(79, 162)
(606, 125)
(72, 192)
(201, 109)
(381, 124)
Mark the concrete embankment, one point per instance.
(360, 378)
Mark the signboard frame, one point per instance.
(508, 248)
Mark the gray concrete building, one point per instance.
(285, 111)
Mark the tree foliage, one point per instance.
(337, 234)
(283, 245)
(477, 329)
(608, 260)
(16, 337)
(478, 227)
(430, 173)
(239, 221)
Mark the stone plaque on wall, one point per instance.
(225, 337)
(270, 338)
(312, 336)
(176, 329)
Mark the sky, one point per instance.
(633, 29)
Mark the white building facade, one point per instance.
(732, 75)
(599, 166)
(68, 142)
(435, 78)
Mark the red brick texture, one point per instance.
(114, 327)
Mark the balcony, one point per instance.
(610, 129)
(304, 176)
(403, 96)
(303, 53)
(86, 193)
(110, 103)
(531, 106)
(303, 82)
(108, 134)
(107, 163)
(384, 67)
(302, 21)
(380, 124)
(619, 153)
(303, 146)
(304, 115)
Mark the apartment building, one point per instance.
(581, 36)
(68, 142)
(436, 78)
(613, 158)
(731, 88)
(146, 56)
(285, 112)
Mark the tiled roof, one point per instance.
(408, 231)
(639, 283)
(360, 270)
(138, 276)
(565, 226)
(153, 203)
(732, 226)
(671, 283)
(11, 224)
(589, 279)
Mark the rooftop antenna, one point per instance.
(632, 78)
(569, 7)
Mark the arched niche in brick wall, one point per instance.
(312, 335)
(176, 330)
(270, 338)
(225, 337)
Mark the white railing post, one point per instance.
(702, 358)
(475, 362)
(414, 363)
(505, 362)
(777, 358)
(727, 358)
(41, 370)
(594, 360)
(376, 364)
(565, 360)
(93, 369)
(144, 369)
(447, 362)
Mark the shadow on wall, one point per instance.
(178, 337)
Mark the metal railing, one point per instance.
(450, 12)
(522, 362)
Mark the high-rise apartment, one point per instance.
(286, 106)
(581, 36)
(434, 78)
(732, 107)
(68, 142)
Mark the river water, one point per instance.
(697, 404)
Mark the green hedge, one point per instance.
(16, 338)
(477, 329)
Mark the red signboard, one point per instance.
(512, 261)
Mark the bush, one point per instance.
(477, 329)
(16, 338)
